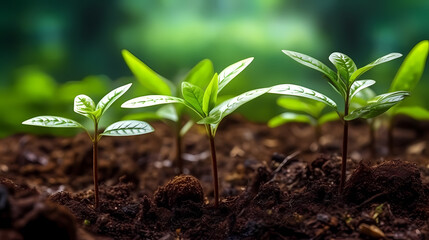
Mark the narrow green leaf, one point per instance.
(168, 112)
(143, 116)
(319, 66)
(188, 125)
(210, 95)
(128, 128)
(110, 98)
(344, 64)
(288, 117)
(151, 100)
(309, 106)
(146, 76)
(294, 90)
(357, 86)
(201, 74)
(377, 105)
(52, 121)
(414, 112)
(411, 69)
(328, 117)
(193, 96)
(232, 71)
(84, 105)
(362, 70)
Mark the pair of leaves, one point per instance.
(85, 106)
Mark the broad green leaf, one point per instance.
(328, 117)
(201, 74)
(357, 86)
(84, 105)
(210, 95)
(317, 65)
(412, 68)
(290, 117)
(186, 127)
(414, 112)
(377, 105)
(381, 60)
(294, 90)
(146, 76)
(143, 116)
(309, 106)
(344, 64)
(232, 71)
(151, 100)
(193, 96)
(110, 98)
(168, 112)
(128, 128)
(52, 121)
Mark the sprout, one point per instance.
(85, 106)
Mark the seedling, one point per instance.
(304, 111)
(210, 112)
(85, 106)
(200, 75)
(406, 79)
(345, 82)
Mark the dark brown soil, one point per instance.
(275, 184)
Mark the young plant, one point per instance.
(344, 81)
(200, 75)
(406, 79)
(205, 104)
(85, 106)
(304, 111)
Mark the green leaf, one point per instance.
(128, 128)
(309, 106)
(210, 95)
(151, 100)
(201, 74)
(328, 117)
(319, 66)
(377, 105)
(295, 90)
(143, 116)
(193, 96)
(110, 98)
(290, 117)
(84, 105)
(188, 125)
(357, 86)
(414, 112)
(381, 60)
(231, 72)
(168, 112)
(52, 121)
(412, 68)
(146, 76)
(344, 64)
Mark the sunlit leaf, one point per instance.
(381, 60)
(52, 121)
(295, 90)
(188, 125)
(193, 95)
(357, 86)
(151, 100)
(309, 106)
(143, 116)
(110, 98)
(84, 105)
(414, 112)
(146, 76)
(210, 95)
(328, 117)
(168, 112)
(290, 117)
(128, 128)
(412, 68)
(377, 105)
(232, 71)
(345, 65)
(201, 74)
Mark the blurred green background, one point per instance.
(53, 50)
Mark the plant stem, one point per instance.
(214, 165)
(95, 164)
(345, 143)
(179, 159)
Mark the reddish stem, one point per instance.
(95, 164)
(214, 166)
(345, 144)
